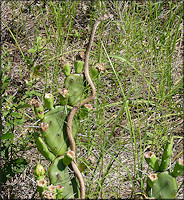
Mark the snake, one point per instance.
(81, 103)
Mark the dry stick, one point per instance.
(78, 105)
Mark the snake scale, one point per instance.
(83, 102)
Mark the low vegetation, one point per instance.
(138, 105)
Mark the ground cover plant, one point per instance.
(138, 104)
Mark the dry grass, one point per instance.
(30, 19)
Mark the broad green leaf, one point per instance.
(33, 93)
(7, 136)
(7, 170)
(38, 39)
(31, 50)
(15, 114)
(25, 105)
(5, 83)
(19, 165)
(3, 178)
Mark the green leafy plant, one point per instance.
(12, 165)
(37, 47)
(138, 103)
(162, 184)
(12, 119)
(51, 138)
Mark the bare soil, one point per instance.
(23, 185)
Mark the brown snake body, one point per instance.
(83, 102)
